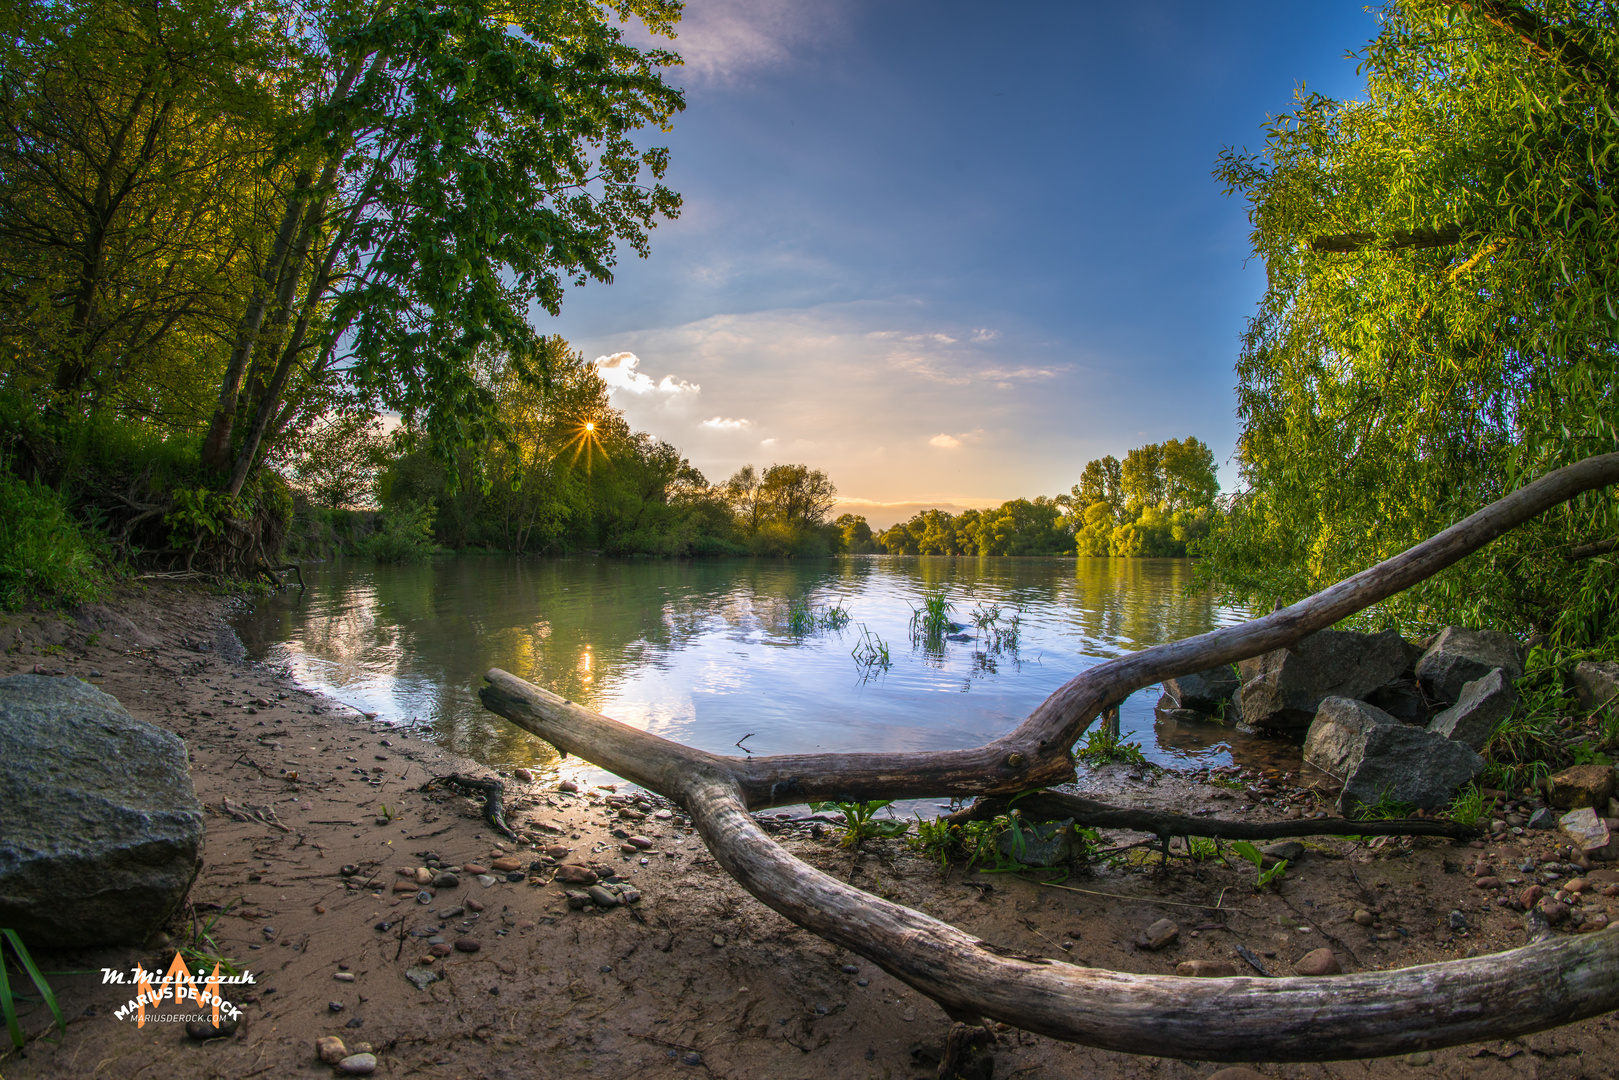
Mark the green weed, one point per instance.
(1467, 808)
(870, 653)
(9, 997)
(1248, 851)
(860, 822)
(931, 621)
(201, 949)
(1103, 747)
(45, 556)
(1386, 808)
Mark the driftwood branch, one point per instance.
(1370, 1014)
(1058, 806)
(492, 792)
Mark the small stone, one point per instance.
(488, 881)
(524, 775)
(1458, 921)
(474, 905)
(421, 977)
(473, 868)
(850, 969)
(203, 1030)
(358, 1065)
(1420, 1059)
(640, 842)
(569, 786)
(1544, 818)
(467, 945)
(343, 976)
(446, 881)
(719, 941)
(1207, 969)
(628, 849)
(1317, 962)
(1579, 884)
(1530, 895)
(424, 876)
(450, 912)
(405, 886)
(1159, 935)
(425, 896)
(335, 1006)
(663, 815)
(1593, 923)
(575, 874)
(602, 897)
(330, 1049)
(506, 864)
(1554, 911)
(1364, 917)
(526, 924)
(1487, 883)
(443, 948)
(692, 1058)
(320, 909)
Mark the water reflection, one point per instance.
(702, 651)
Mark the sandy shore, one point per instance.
(695, 979)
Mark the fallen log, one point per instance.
(1368, 1014)
(1088, 813)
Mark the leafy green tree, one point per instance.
(855, 536)
(1143, 477)
(1439, 322)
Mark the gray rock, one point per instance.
(1483, 704)
(1203, 691)
(1169, 713)
(1596, 684)
(1045, 843)
(1337, 738)
(100, 828)
(1587, 829)
(422, 977)
(1408, 765)
(1402, 699)
(358, 1064)
(1543, 819)
(1159, 935)
(1457, 656)
(1291, 850)
(1282, 690)
(602, 897)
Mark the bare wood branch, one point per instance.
(1370, 1014)
(1058, 806)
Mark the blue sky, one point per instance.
(950, 251)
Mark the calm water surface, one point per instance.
(701, 652)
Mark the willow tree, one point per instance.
(1439, 322)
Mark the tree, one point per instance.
(1189, 477)
(1102, 481)
(855, 536)
(1142, 477)
(796, 495)
(1440, 318)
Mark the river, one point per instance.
(705, 652)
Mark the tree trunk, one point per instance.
(1370, 1014)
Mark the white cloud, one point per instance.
(619, 372)
(724, 40)
(767, 442)
(723, 423)
(944, 442)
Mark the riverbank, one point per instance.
(697, 977)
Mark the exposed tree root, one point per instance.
(492, 792)
(1367, 1014)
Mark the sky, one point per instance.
(950, 251)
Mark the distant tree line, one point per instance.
(1157, 502)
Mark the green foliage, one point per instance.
(200, 949)
(870, 653)
(1386, 808)
(804, 619)
(406, 535)
(931, 621)
(45, 557)
(861, 823)
(9, 997)
(1264, 877)
(1528, 746)
(1202, 848)
(1104, 747)
(1439, 323)
(1467, 806)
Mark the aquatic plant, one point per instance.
(931, 621)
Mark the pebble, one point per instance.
(343, 976)
(330, 1049)
(719, 941)
(1554, 912)
(640, 842)
(488, 881)
(692, 1058)
(1487, 883)
(850, 969)
(1419, 1059)
(602, 897)
(424, 876)
(1317, 962)
(1530, 895)
(358, 1064)
(524, 775)
(335, 1006)
(442, 948)
(1458, 920)
(468, 945)
(1543, 818)
(202, 1030)
(575, 874)
(1593, 923)
(1159, 935)
(473, 868)
(663, 815)
(446, 881)
(1364, 917)
(506, 864)
(474, 905)
(569, 786)
(1207, 969)
(421, 977)
(1579, 884)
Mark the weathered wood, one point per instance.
(1058, 806)
(492, 792)
(1369, 1014)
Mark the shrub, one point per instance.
(45, 557)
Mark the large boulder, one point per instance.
(1458, 656)
(100, 829)
(1282, 690)
(1337, 737)
(1596, 684)
(1203, 691)
(1483, 704)
(1378, 757)
(1402, 699)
